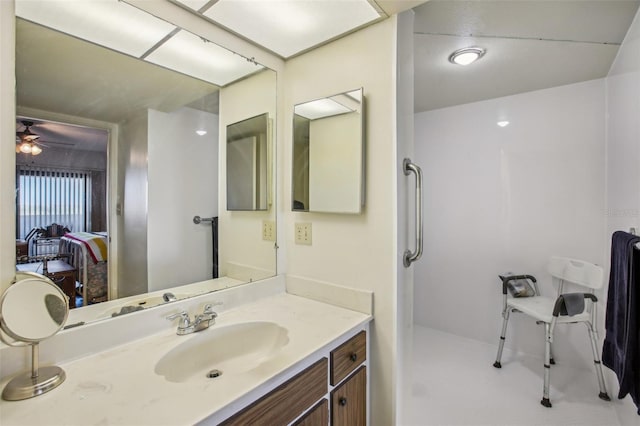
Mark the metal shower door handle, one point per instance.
(409, 167)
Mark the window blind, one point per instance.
(46, 195)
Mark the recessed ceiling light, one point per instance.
(503, 123)
(201, 132)
(466, 55)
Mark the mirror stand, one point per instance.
(34, 383)
(32, 309)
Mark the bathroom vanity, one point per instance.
(271, 357)
(307, 396)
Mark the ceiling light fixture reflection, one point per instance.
(466, 55)
(113, 24)
(200, 58)
(503, 123)
(321, 108)
(26, 140)
(201, 132)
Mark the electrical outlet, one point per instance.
(268, 230)
(303, 233)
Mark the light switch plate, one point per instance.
(303, 233)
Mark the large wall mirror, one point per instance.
(328, 154)
(118, 131)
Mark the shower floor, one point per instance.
(456, 384)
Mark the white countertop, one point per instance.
(119, 385)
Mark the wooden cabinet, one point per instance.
(282, 405)
(22, 248)
(58, 271)
(349, 401)
(303, 398)
(346, 357)
(317, 416)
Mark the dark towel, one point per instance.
(621, 349)
(214, 237)
(573, 303)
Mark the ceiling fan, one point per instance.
(26, 140)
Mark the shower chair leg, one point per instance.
(596, 359)
(547, 365)
(552, 360)
(505, 321)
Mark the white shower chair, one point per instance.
(564, 309)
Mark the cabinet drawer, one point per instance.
(349, 401)
(286, 402)
(317, 416)
(346, 357)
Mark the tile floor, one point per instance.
(456, 384)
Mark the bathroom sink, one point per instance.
(231, 349)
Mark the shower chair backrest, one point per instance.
(576, 271)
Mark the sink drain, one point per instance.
(214, 373)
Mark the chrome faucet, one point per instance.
(169, 297)
(201, 321)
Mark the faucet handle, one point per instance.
(186, 322)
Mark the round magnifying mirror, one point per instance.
(31, 310)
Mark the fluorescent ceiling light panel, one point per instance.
(287, 27)
(191, 55)
(321, 108)
(194, 4)
(109, 23)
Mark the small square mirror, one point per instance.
(328, 154)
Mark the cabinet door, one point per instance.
(282, 405)
(349, 401)
(317, 416)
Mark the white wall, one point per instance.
(623, 135)
(506, 199)
(132, 197)
(354, 250)
(623, 157)
(7, 148)
(243, 253)
(405, 216)
(183, 183)
(335, 164)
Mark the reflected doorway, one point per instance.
(61, 206)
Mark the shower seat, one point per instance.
(566, 308)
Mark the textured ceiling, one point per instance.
(531, 45)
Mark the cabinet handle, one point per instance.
(342, 401)
(353, 357)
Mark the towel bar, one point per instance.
(197, 219)
(409, 257)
